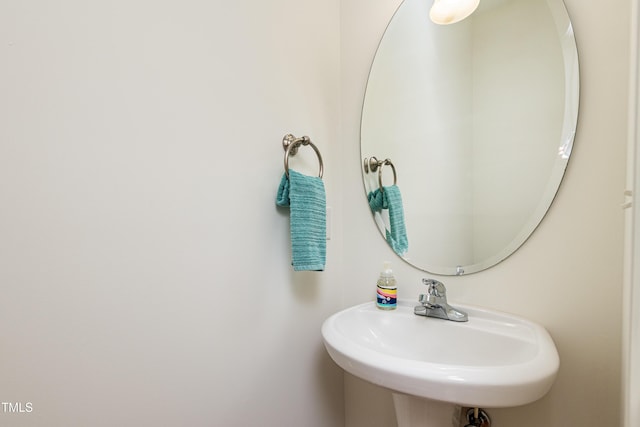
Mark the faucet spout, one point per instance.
(434, 303)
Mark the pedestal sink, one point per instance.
(434, 366)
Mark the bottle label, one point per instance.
(387, 298)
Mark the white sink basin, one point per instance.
(493, 360)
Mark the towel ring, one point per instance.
(290, 144)
(373, 164)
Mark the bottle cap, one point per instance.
(386, 270)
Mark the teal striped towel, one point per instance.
(305, 197)
(391, 199)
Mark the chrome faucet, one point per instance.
(434, 303)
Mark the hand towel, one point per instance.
(306, 199)
(391, 199)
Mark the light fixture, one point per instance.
(451, 11)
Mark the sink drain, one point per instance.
(477, 417)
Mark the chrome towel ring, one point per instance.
(373, 164)
(290, 145)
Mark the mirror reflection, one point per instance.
(478, 118)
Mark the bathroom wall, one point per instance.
(567, 276)
(144, 269)
(631, 287)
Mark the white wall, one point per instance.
(144, 268)
(567, 276)
(631, 288)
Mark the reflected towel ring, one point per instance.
(373, 164)
(290, 144)
(393, 168)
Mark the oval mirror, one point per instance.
(478, 120)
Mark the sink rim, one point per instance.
(486, 386)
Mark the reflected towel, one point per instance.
(391, 199)
(305, 196)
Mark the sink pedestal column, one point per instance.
(412, 411)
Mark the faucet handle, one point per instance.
(435, 288)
